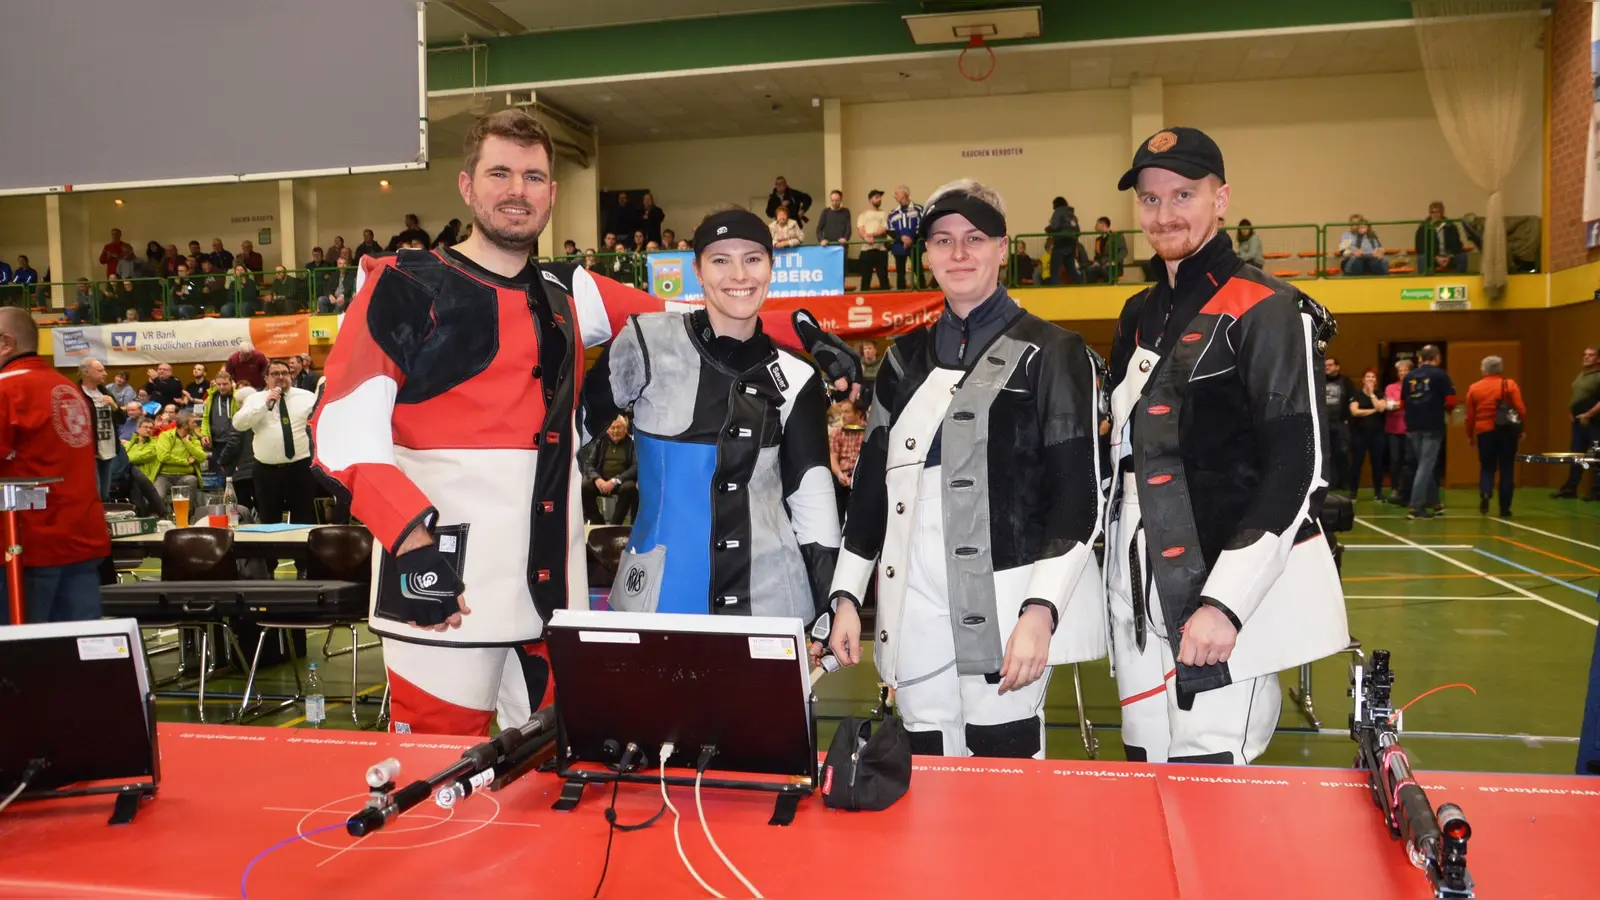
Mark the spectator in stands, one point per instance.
(130, 265)
(301, 373)
(785, 231)
(904, 220)
(1359, 250)
(213, 288)
(320, 276)
(639, 240)
(651, 247)
(283, 295)
(1582, 408)
(221, 259)
(368, 246)
(162, 387)
(5, 278)
(249, 258)
(799, 201)
(1496, 440)
(334, 249)
(683, 244)
(833, 226)
(282, 445)
(166, 419)
(120, 390)
(610, 468)
(107, 415)
(80, 309)
(111, 253)
(155, 258)
(245, 298)
(622, 220)
(669, 238)
(1023, 266)
(650, 218)
(230, 452)
(200, 386)
(248, 368)
(1439, 245)
(1429, 394)
(169, 261)
(872, 226)
(25, 273)
(341, 287)
(609, 243)
(1367, 409)
(179, 455)
(132, 415)
(1337, 395)
(193, 262)
(1250, 245)
(185, 294)
(412, 232)
(449, 236)
(1065, 229)
(569, 250)
(317, 261)
(1110, 253)
(591, 262)
(140, 297)
(196, 253)
(844, 446)
(131, 314)
(149, 406)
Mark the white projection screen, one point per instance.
(106, 94)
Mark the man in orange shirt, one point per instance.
(47, 429)
(1495, 434)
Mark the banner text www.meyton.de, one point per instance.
(197, 340)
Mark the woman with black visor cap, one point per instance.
(737, 514)
(976, 500)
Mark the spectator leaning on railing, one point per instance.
(1250, 245)
(833, 226)
(1360, 253)
(1110, 253)
(1439, 245)
(785, 231)
(799, 201)
(1064, 228)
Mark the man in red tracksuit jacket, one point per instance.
(47, 430)
(448, 421)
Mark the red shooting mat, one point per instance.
(975, 828)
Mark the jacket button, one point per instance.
(888, 571)
(900, 508)
(911, 443)
(538, 372)
(883, 637)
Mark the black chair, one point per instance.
(198, 554)
(604, 545)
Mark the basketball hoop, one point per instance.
(975, 42)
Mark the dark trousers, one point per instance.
(1366, 443)
(1336, 454)
(1582, 437)
(627, 494)
(1497, 450)
(1401, 465)
(902, 266)
(283, 489)
(875, 261)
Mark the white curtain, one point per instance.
(1480, 57)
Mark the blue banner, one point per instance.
(796, 272)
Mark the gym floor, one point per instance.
(1506, 606)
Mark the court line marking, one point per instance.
(1534, 549)
(1500, 581)
(1419, 597)
(1418, 547)
(1550, 534)
(410, 814)
(1566, 584)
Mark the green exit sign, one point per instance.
(1417, 294)
(1453, 292)
(321, 334)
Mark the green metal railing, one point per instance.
(109, 300)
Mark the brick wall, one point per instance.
(1570, 102)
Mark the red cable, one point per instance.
(1442, 687)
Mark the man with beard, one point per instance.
(1218, 573)
(447, 420)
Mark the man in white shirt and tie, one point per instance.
(277, 418)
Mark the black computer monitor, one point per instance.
(76, 696)
(736, 683)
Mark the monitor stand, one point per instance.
(128, 796)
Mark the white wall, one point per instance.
(1073, 144)
(168, 215)
(1320, 149)
(23, 232)
(692, 178)
(349, 203)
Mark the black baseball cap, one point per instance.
(1188, 151)
(983, 217)
(874, 193)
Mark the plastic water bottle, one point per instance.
(231, 501)
(316, 702)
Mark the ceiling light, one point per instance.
(117, 201)
(383, 182)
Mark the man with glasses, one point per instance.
(278, 419)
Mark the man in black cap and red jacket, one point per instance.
(1218, 573)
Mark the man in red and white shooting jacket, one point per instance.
(448, 420)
